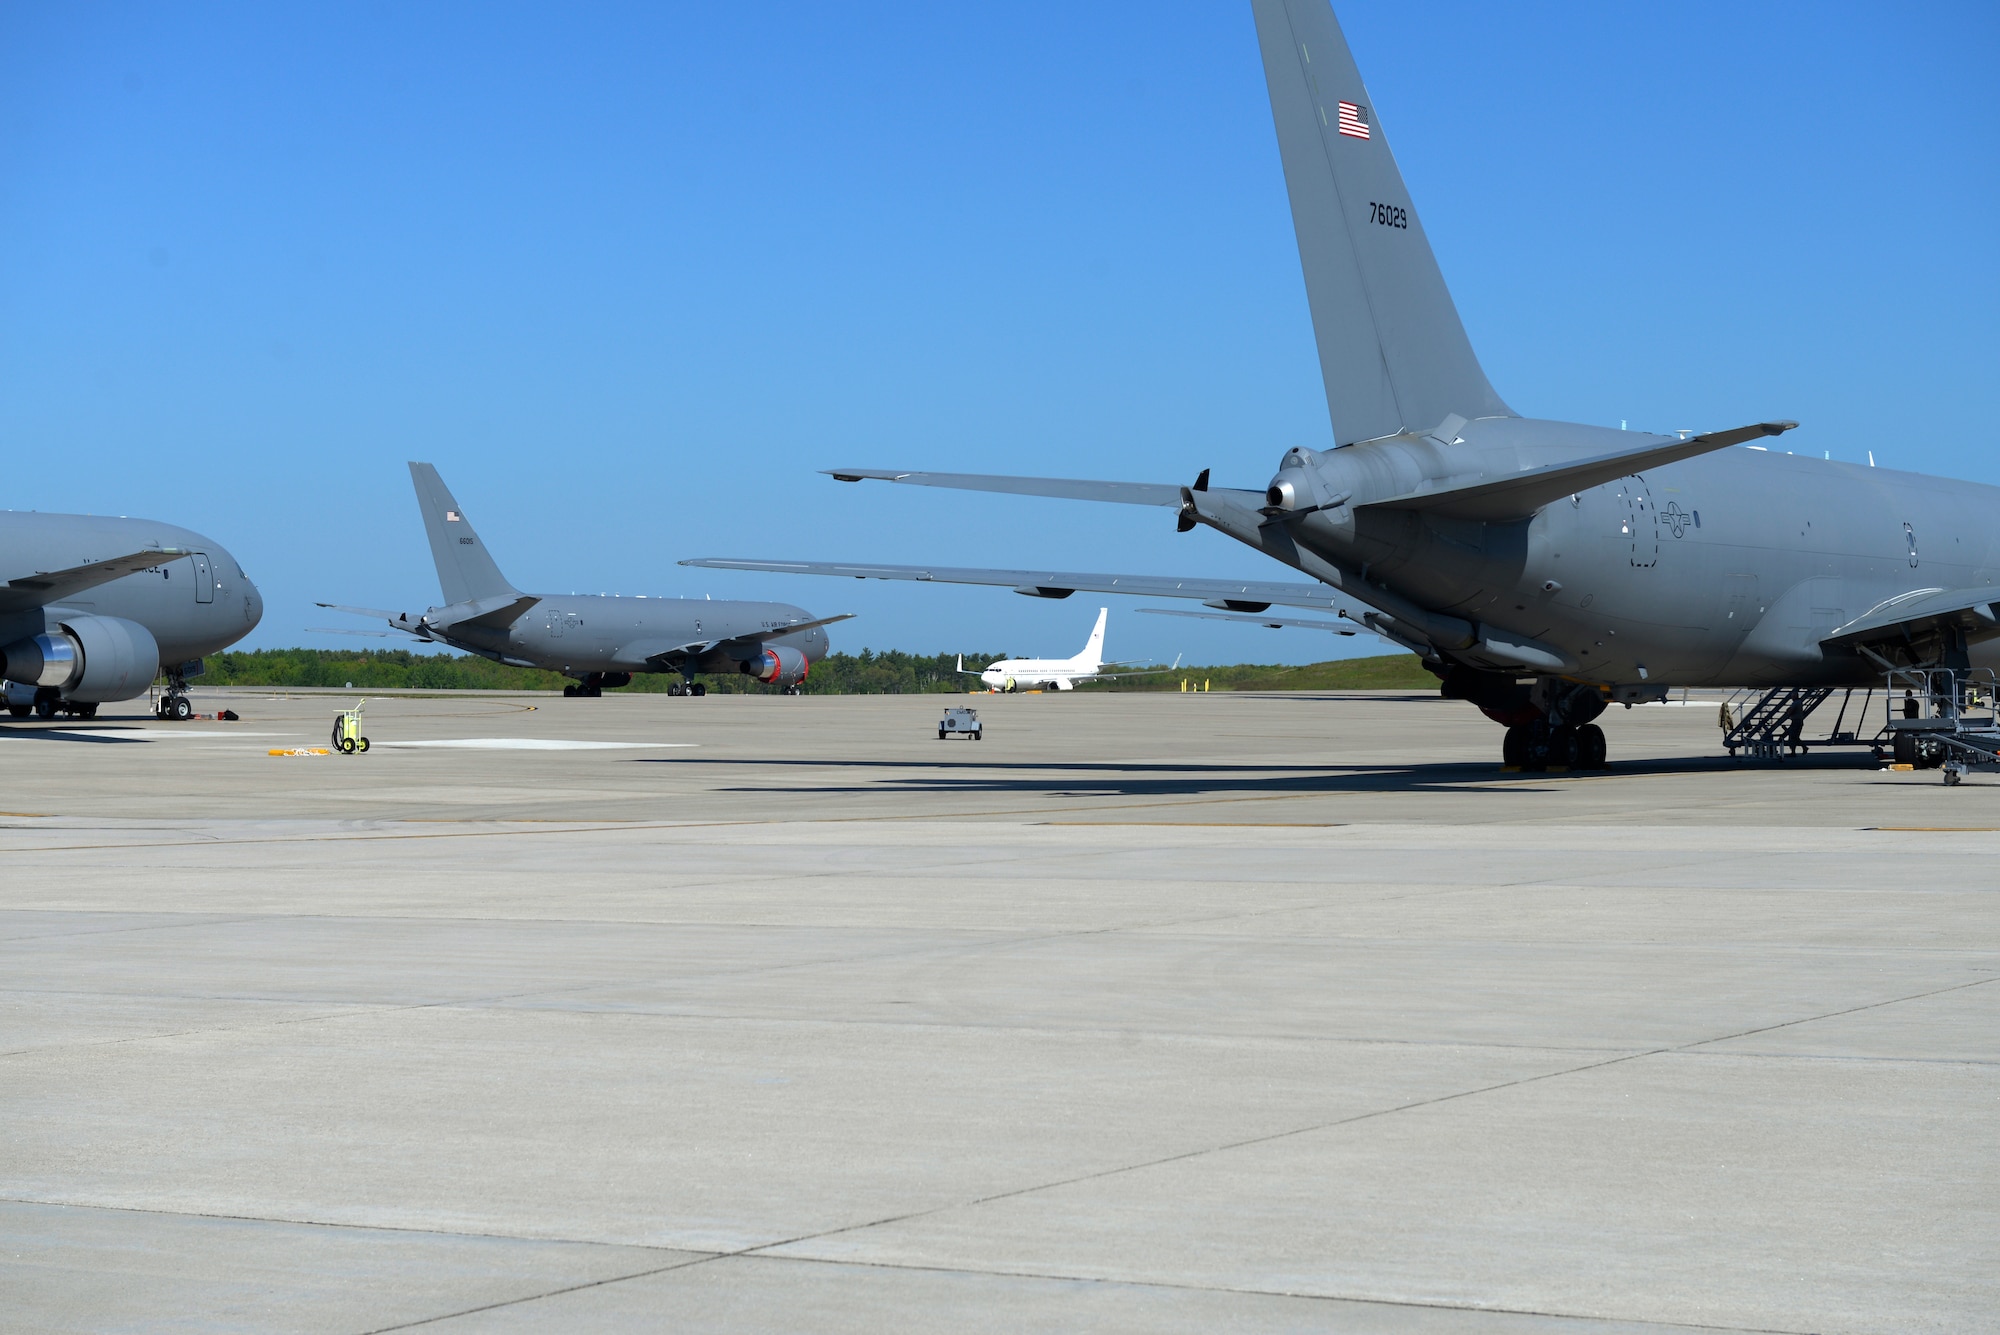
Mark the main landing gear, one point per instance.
(48, 703)
(1548, 720)
(688, 688)
(1537, 745)
(594, 684)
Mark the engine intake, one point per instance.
(779, 665)
(88, 659)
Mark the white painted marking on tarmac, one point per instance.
(531, 744)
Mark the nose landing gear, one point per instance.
(173, 702)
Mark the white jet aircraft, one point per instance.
(1056, 674)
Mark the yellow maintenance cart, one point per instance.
(347, 738)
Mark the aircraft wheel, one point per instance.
(19, 711)
(1514, 748)
(1563, 748)
(183, 708)
(697, 688)
(569, 691)
(45, 709)
(1590, 746)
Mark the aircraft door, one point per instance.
(204, 578)
(1639, 522)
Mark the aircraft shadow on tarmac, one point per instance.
(71, 735)
(1171, 779)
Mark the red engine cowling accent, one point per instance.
(781, 665)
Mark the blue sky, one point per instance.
(629, 274)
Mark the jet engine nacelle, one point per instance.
(88, 659)
(780, 665)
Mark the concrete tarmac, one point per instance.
(1148, 1013)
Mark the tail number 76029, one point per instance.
(1388, 215)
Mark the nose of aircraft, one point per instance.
(253, 603)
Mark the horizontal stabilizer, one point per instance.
(345, 630)
(1922, 625)
(1054, 583)
(52, 586)
(1520, 495)
(382, 612)
(495, 613)
(402, 621)
(1273, 622)
(1065, 488)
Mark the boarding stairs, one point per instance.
(1771, 725)
(1949, 719)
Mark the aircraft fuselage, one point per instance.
(193, 605)
(580, 634)
(1722, 570)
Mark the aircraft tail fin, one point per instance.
(466, 571)
(1392, 350)
(1092, 657)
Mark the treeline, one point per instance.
(870, 672)
(1391, 672)
(890, 672)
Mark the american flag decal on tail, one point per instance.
(1353, 120)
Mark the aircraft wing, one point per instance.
(1066, 488)
(1174, 666)
(1519, 495)
(1916, 627)
(1237, 595)
(672, 656)
(1275, 623)
(52, 586)
(779, 632)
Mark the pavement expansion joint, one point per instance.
(1248, 1291)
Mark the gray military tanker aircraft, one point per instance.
(1542, 569)
(600, 640)
(98, 607)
